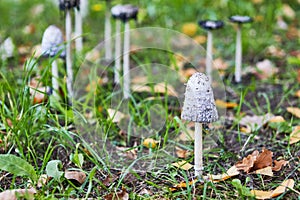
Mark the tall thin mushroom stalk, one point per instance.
(210, 25)
(67, 5)
(52, 42)
(107, 33)
(238, 51)
(199, 107)
(128, 12)
(78, 28)
(116, 11)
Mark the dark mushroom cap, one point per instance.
(129, 12)
(116, 11)
(240, 19)
(199, 104)
(211, 24)
(52, 42)
(68, 4)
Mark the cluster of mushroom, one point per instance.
(210, 25)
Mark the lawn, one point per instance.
(99, 144)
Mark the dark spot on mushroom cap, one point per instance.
(211, 24)
(125, 12)
(68, 4)
(240, 19)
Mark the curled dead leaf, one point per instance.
(77, 176)
(232, 171)
(248, 162)
(17, 194)
(278, 165)
(264, 159)
(294, 111)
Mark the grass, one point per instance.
(77, 135)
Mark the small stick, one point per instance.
(209, 55)
(78, 30)
(126, 71)
(107, 33)
(238, 55)
(198, 154)
(117, 69)
(55, 85)
(68, 54)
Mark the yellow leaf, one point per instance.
(183, 185)
(246, 129)
(97, 7)
(182, 165)
(232, 171)
(297, 94)
(259, 194)
(294, 111)
(223, 104)
(289, 183)
(189, 29)
(265, 171)
(150, 143)
(277, 119)
(200, 39)
(295, 135)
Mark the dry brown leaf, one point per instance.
(182, 165)
(127, 152)
(123, 195)
(223, 104)
(182, 153)
(259, 194)
(17, 193)
(278, 165)
(255, 122)
(295, 135)
(277, 119)
(297, 94)
(220, 64)
(248, 162)
(182, 185)
(150, 143)
(265, 69)
(78, 176)
(264, 159)
(265, 171)
(109, 179)
(294, 111)
(232, 171)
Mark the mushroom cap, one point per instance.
(68, 4)
(211, 24)
(116, 10)
(52, 42)
(240, 19)
(199, 104)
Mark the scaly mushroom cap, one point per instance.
(129, 12)
(199, 104)
(211, 24)
(52, 42)
(68, 4)
(240, 19)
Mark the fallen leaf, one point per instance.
(223, 104)
(115, 116)
(220, 64)
(265, 171)
(43, 179)
(122, 195)
(232, 171)
(128, 152)
(255, 122)
(265, 69)
(158, 88)
(288, 11)
(276, 51)
(17, 193)
(278, 165)
(150, 143)
(189, 29)
(248, 162)
(277, 119)
(295, 135)
(294, 111)
(78, 176)
(259, 194)
(182, 165)
(109, 179)
(183, 185)
(182, 153)
(297, 94)
(264, 159)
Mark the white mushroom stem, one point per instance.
(209, 55)
(55, 85)
(126, 71)
(198, 154)
(107, 34)
(68, 54)
(238, 55)
(78, 30)
(117, 69)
